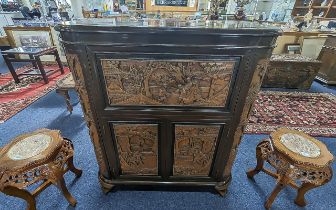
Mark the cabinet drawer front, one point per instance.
(137, 146)
(194, 149)
(168, 82)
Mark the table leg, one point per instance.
(11, 69)
(59, 62)
(300, 199)
(41, 68)
(33, 62)
(73, 169)
(21, 193)
(260, 164)
(66, 193)
(282, 182)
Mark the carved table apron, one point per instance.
(166, 105)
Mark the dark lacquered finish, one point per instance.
(167, 121)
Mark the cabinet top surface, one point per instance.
(169, 24)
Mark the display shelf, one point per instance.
(319, 2)
(320, 7)
(301, 8)
(331, 13)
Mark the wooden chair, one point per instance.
(63, 86)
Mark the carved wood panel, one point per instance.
(194, 149)
(138, 148)
(253, 90)
(88, 110)
(193, 83)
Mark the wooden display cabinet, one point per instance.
(164, 105)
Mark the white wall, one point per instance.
(76, 6)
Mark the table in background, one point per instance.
(34, 54)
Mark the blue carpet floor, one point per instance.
(50, 112)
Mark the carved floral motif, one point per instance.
(194, 83)
(254, 88)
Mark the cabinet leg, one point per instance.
(21, 193)
(221, 187)
(106, 189)
(106, 184)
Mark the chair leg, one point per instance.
(61, 185)
(21, 193)
(305, 187)
(260, 164)
(73, 169)
(66, 96)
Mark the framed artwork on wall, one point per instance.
(34, 41)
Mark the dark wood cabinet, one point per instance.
(167, 105)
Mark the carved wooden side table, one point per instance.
(42, 155)
(296, 157)
(63, 87)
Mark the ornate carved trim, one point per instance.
(248, 106)
(78, 76)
